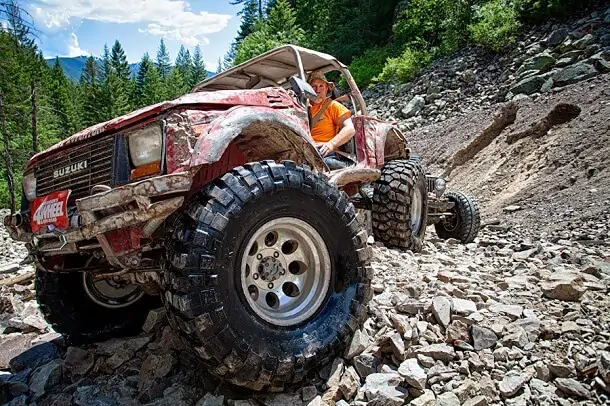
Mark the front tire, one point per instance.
(86, 310)
(400, 205)
(267, 275)
(465, 223)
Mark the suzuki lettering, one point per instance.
(77, 167)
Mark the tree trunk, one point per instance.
(7, 158)
(34, 119)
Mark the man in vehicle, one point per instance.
(331, 123)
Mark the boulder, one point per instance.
(574, 74)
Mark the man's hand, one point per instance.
(325, 147)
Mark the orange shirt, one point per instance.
(327, 127)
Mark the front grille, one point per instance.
(431, 185)
(98, 171)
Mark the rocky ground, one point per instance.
(511, 319)
(521, 316)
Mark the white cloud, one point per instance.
(73, 48)
(172, 19)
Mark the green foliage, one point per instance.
(496, 25)
(405, 66)
(367, 66)
(278, 29)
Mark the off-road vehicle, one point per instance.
(219, 204)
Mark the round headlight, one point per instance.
(440, 185)
(29, 186)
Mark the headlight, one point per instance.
(29, 186)
(440, 185)
(145, 145)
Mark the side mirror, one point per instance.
(302, 88)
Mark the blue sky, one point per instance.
(82, 27)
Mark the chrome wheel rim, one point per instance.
(416, 210)
(285, 271)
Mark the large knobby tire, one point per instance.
(465, 223)
(267, 275)
(86, 310)
(400, 205)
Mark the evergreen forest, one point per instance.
(380, 40)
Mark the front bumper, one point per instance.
(138, 203)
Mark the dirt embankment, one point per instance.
(552, 161)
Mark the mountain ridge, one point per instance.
(73, 66)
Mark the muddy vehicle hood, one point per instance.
(217, 100)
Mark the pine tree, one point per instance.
(249, 15)
(219, 68)
(119, 61)
(61, 101)
(105, 76)
(91, 94)
(163, 65)
(183, 62)
(120, 85)
(148, 84)
(198, 71)
(175, 86)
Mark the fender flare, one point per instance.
(230, 125)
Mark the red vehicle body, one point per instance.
(219, 203)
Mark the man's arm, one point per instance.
(344, 135)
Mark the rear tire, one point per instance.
(400, 205)
(76, 307)
(465, 223)
(233, 291)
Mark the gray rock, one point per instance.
(574, 73)
(45, 377)
(358, 344)
(572, 387)
(34, 356)
(413, 373)
(413, 107)
(566, 287)
(12, 345)
(309, 393)
(457, 331)
(600, 63)
(210, 400)
(561, 370)
(603, 365)
(476, 401)
(77, 362)
(511, 209)
(447, 399)
(483, 337)
(584, 41)
(441, 352)
(512, 382)
(365, 365)
(441, 308)
(156, 318)
(374, 383)
(512, 310)
(557, 37)
(154, 368)
(336, 371)
(349, 384)
(515, 336)
(540, 63)
(426, 399)
(280, 399)
(398, 346)
(463, 307)
(528, 86)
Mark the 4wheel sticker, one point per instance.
(50, 211)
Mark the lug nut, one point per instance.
(282, 272)
(259, 256)
(276, 254)
(255, 276)
(270, 286)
